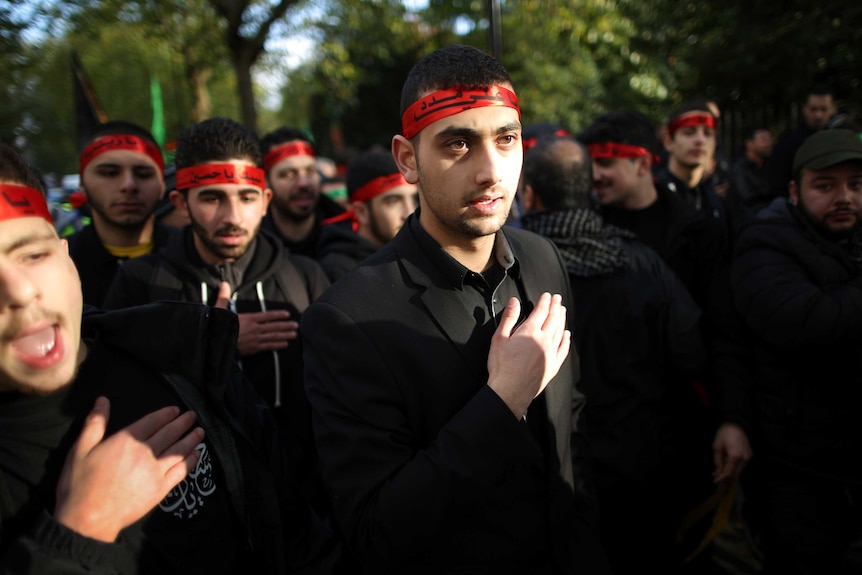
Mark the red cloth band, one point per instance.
(18, 201)
(278, 153)
(211, 174)
(367, 192)
(444, 103)
(530, 142)
(616, 150)
(377, 186)
(120, 142)
(699, 119)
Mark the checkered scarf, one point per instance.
(589, 247)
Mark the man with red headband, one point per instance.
(298, 206)
(223, 255)
(622, 146)
(157, 495)
(380, 201)
(623, 149)
(690, 141)
(439, 370)
(121, 170)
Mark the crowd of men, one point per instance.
(512, 350)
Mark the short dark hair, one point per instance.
(282, 135)
(216, 139)
(622, 127)
(14, 169)
(453, 66)
(751, 130)
(562, 180)
(368, 166)
(115, 127)
(819, 89)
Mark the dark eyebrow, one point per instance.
(28, 240)
(119, 166)
(221, 193)
(459, 132)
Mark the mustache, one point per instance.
(231, 230)
(21, 323)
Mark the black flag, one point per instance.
(88, 112)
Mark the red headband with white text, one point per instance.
(686, 120)
(213, 174)
(608, 150)
(444, 103)
(18, 201)
(278, 153)
(120, 142)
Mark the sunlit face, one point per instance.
(817, 111)
(123, 188)
(615, 180)
(295, 184)
(40, 308)
(692, 146)
(831, 198)
(225, 218)
(381, 217)
(467, 167)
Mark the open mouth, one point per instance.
(39, 348)
(486, 204)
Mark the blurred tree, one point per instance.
(350, 89)
(16, 87)
(247, 26)
(570, 59)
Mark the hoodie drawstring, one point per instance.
(259, 289)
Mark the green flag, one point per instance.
(158, 127)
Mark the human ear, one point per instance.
(405, 158)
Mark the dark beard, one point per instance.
(822, 229)
(220, 251)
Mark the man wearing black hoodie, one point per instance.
(222, 257)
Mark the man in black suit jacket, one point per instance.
(439, 371)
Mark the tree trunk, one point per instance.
(243, 58)
(197, 77)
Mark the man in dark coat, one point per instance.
(298, 205)
(223, 255)
(817, 110)
(798, 287)
(122, 178)
(140, 501)
(380, 201)
(638, 334)
(445, 434)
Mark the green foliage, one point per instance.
(121, 45)
(351, 88)
(570, 60)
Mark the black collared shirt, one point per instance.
(486, 293)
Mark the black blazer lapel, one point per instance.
(434, 296)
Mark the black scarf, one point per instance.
(589, 247)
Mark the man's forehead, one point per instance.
(17, 232)
(124, 158)
(295, 161)
(403, 190)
